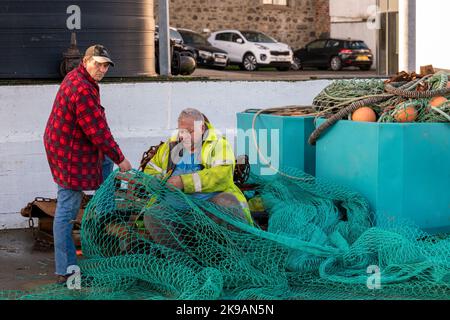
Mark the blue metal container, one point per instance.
(282, 140)
(402, 169)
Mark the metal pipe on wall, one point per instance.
(407, 35)
(164, 38)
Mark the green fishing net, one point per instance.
(143, 240)
(342, 93)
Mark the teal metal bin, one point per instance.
(402, 169)
(282, 140)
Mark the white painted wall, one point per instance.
(350, 8)
(432, 44)
(139, 114)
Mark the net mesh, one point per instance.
(342, 93)
(144, 240)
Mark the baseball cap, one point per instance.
(99, 53)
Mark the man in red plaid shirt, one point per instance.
(80, 148)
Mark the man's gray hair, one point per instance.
(191, 113)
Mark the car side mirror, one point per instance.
(239, 40)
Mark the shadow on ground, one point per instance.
(23, 265)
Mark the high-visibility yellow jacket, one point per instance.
(218, 161)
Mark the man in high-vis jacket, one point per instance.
(201, 164)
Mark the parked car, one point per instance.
(183, 56)
(252, 49)
(206, 54)
(334, 54)
(173, 34)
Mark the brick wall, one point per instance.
(295, 24)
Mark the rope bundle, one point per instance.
(340, 99)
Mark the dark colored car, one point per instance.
(183, 61)
(206, 54)
(183, 56)
(334, 54)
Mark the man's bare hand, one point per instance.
(125, 165)
(176, 182)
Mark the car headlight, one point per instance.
(204, 54)
(261, 47)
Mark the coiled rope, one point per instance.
(404, 90)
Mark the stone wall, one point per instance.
(295, 24)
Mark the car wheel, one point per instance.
(176, 64)
(336, 64)
(62, 68)
(296, 64)
(365, 68)
(249, 63)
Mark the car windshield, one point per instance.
(357, 45)
(175, 35)
(257, 37)
(193, 38)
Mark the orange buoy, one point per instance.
(364, 114)
(438, 101)
(406, 114)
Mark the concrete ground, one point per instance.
(23, 265)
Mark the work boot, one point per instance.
(62, 280)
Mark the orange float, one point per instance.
(406, 114)
(364, 114)
(438, 101)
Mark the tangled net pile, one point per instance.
(142, 240)
(388, 98)
(403, 98)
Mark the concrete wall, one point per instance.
(296, 23)
(139, 114)
(350, 8)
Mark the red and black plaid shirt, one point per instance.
(77, 134)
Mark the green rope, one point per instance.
(342, 97)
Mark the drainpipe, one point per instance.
(377, 37)
(164, 43)
(407, 35)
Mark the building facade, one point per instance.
(295, 22)
(404, 34)
(373, 21)
(352, 19)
